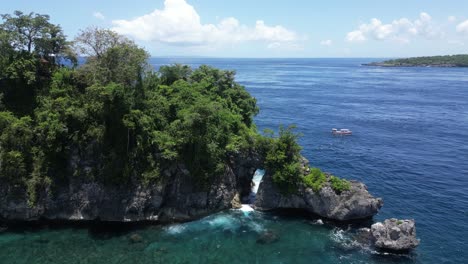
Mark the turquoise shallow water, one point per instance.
(229, 237)
(409, 146)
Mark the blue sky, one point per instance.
(260, 28)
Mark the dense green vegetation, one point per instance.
(283, 159)
(114, 113)
(434, 61)
(316, 180)
(339, 185)
(114, 119)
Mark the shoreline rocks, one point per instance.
(394, 235)
(355, 204)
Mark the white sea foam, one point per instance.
(175, 229)
(345, 240)
(224, 221)
(246, 209)
(317, 222)
(338, 235)
(341, 237)
(256, 227)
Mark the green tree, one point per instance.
(33, 33)
(31, 48)
(283, 159)
(94, 41)
(16, 139)
(170, 74)
(110, 58)
(115, 120)
(25, 29)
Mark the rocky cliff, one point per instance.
(356, 203)
(179, 199)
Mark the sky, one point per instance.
(267, 28)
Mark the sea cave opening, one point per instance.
(255, 184)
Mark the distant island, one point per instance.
(432, 61)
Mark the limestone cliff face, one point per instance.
(177, 199)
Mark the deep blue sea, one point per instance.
(409, 145)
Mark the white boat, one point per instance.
(342, 132)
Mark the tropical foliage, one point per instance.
(114, 119)
(113, 112)
(283, 159)
(316, 180)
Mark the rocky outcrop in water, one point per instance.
(356, 203)
(394, 234)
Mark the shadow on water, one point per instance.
(386, 257)
(98, 230)
(298, 214)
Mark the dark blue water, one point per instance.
(410, 146)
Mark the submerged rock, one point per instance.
(363, 236)
(394, 234)
(267, 237)
(135, 238)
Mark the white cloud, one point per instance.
(99, 15)
(401, 30)
(355, 36)
(178, 23)
(463, 27)
(327, 42)
(452, 19)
